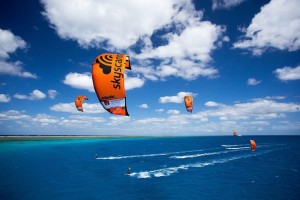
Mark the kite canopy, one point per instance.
(108, 79)
(79, 101)
(234, 133)
(189, 102)
(252, 145)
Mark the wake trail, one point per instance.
(172, 170)
(145, 155)
(198, 155)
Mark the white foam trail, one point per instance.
(198, 155)
(133, 156)
(234, 145)
(171, 170)
(144, 155)
(237, 148)
(158, 173)
(229, 145)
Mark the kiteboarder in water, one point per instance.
(129, 170)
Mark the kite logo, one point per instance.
(105, 63)
(118, 75)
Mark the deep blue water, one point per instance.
(162, 168)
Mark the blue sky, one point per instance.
(238, 58)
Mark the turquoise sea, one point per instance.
(161, 168)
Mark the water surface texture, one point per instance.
(161, 168)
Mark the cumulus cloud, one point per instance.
(187, 51)
(118, 120)
(211, 104)
(277, 25)
(144, 105)
(70, 108)
(226, 4)
(4, 98)
(176, 99)
(79, 81)
(13, 115)
(160, 110)
(84, 81)
(15, 69)
(173, 112)
(254, 115)
(133, 82)
(288, 73)
(253, 81)
(269, 98)
(184, 56)
(45, 119)
(35, 95)
(9, 43)
(35, 122)
(257, 109)
(108, 19)
(52, 94)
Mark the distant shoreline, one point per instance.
(4, 138)
(60, 137)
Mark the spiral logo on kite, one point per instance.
(105, 63)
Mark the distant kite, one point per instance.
(234, 133)
(108, 79)
(252, 145)
(189, 102)
(79, 101)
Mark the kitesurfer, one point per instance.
(129, 170)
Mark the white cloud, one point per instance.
(152, 120)
(15, 69)
(4, 98)
(188, 50)
(45, 119)
(288, 73)
(118, 120)
(211, 104)
(52, 94)
(159, 110)
(185, 44)
(277, 25)
(286, 126)
(13, 115)
(186, 55)
(133, 82)
(269, 98)
(226, 4)
(173, 112)
(85, 81)
(73, 123)
(249, 117)
(9, 43)
(176, 99)
(258, 109)
(253, 81)
(71, 108)
(35, 95)
(79, 81)
(92, 22)
(226, 39)
(144, 105)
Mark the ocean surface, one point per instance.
(161, 168)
